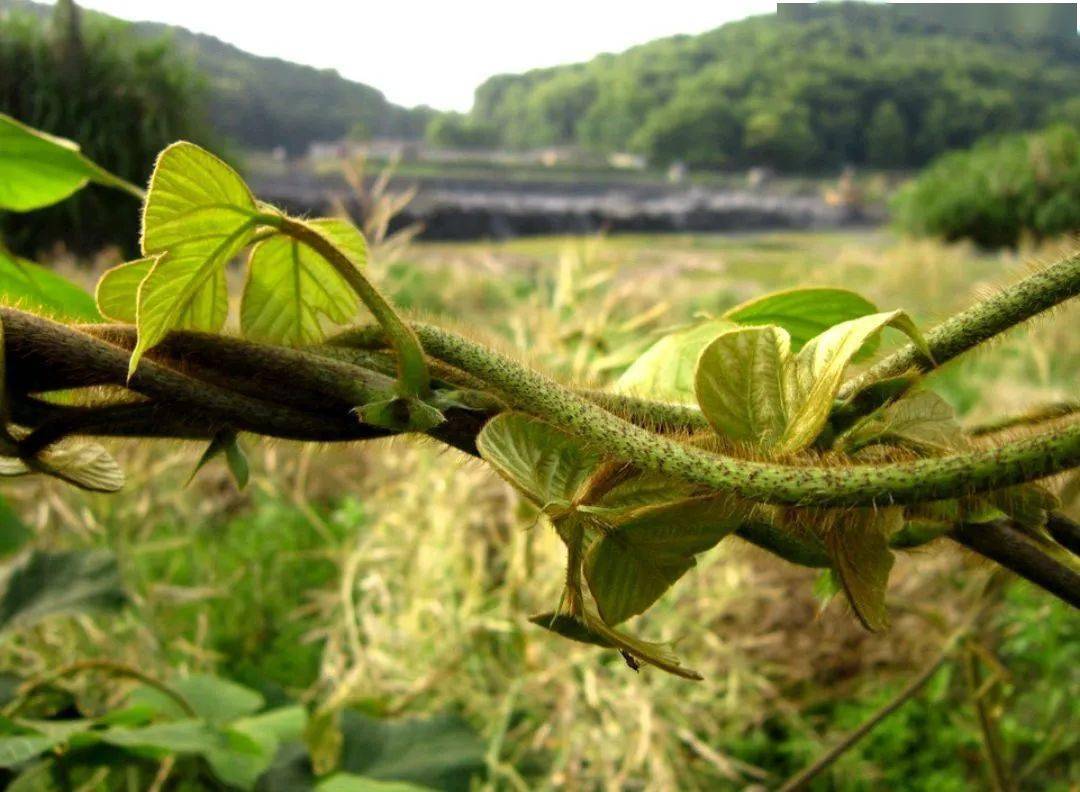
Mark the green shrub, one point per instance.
(999, 191)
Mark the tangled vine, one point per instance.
(743, 424)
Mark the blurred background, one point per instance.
(921, 154)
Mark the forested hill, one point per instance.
(855, 83)
(262, 102)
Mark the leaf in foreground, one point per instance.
(804, 313)
(858, 543)
(41, 169)
(198, 215)
(34, 288)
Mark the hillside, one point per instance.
(851, 83)
(261, 102)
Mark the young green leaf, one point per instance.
(40, 169)
(665, 371)
(117, 292)
(819, 367)
(858, 543)
(804, 313)
(545, 464)
(290, 288)
(32, 287)
(752, 389)
(86, 465)
(921, 420)
(226, 442)
(742, 385)
(198, 215)
(637, 560)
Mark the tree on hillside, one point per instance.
(886, 137)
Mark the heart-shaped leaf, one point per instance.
(290, 288)
(639, 558)
(41, 169)
(804, 313)
(198, 215)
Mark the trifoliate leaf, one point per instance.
(804, 313)
(291, 289)
(41, 169)
(198, 215)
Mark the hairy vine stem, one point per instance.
(413, 376)
(861, 485)
(985, 319)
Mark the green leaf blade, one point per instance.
(41, 169)
(291, 289)
(803, 313)
(665, 371)
(34, 288)
(740, 384)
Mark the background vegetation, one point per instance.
(999, 191)
(855, 84)
(123, 100)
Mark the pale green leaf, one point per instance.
(45, 584)
(922, 420)
(86, 465)
(858, 542)
(188, 736)
(818, 371)
(34, 288)
(117, 293)
(665, 371)
(804, 313)
(38, 169)
(199, 214)
(638, 559)
(22, 747)
(291, 289)
(545, 464)
(741, 385)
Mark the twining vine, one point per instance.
(742, 424)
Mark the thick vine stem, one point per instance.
(413, 376)
(769, 482)
(985, 319)
(1002, 543)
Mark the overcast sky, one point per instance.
(434, 51)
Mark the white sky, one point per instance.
(434, 52)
